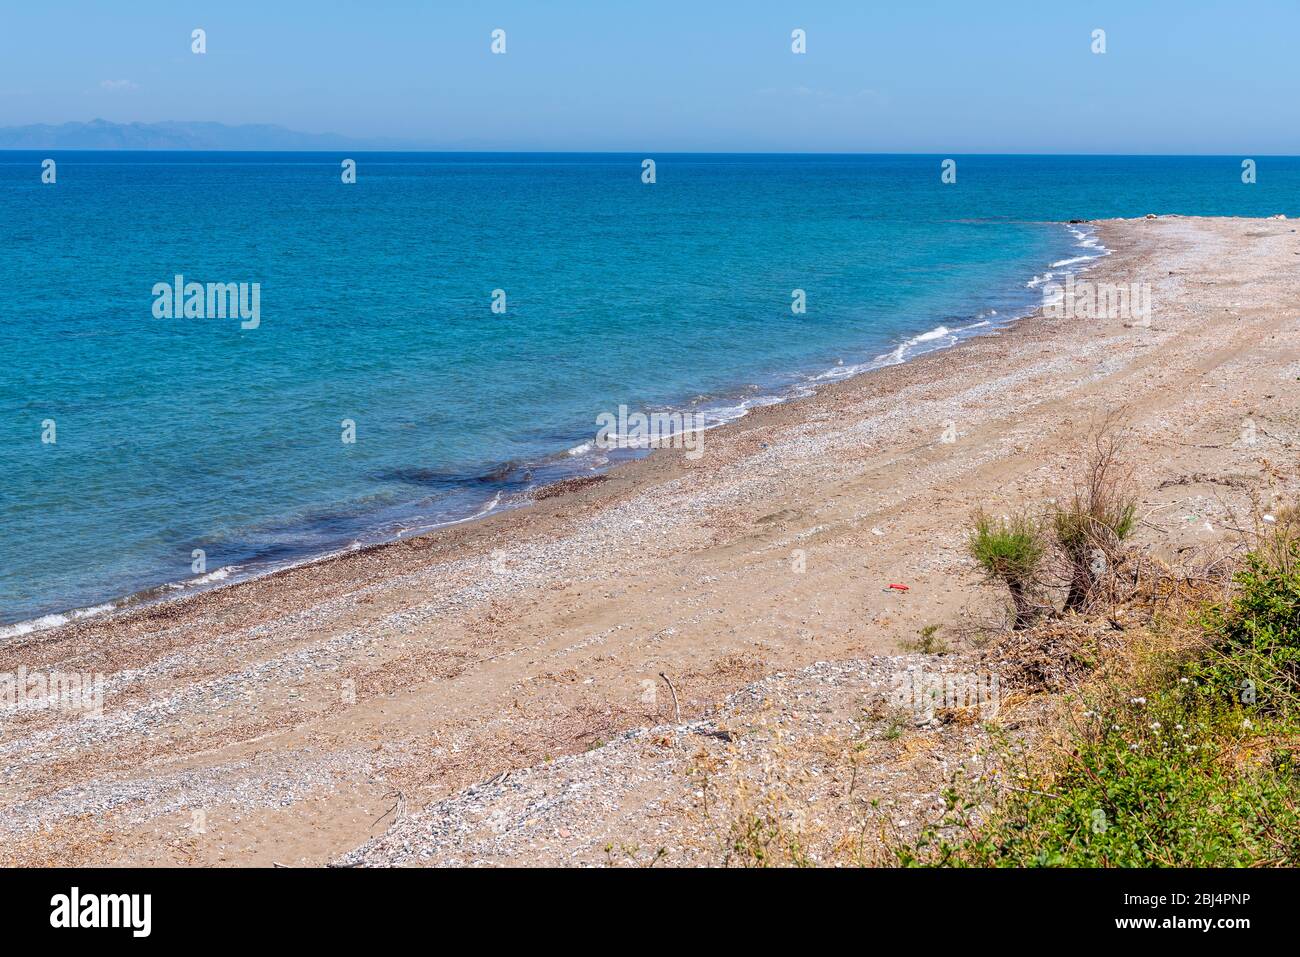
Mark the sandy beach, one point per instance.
(295, 718)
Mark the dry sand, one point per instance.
(295, 718)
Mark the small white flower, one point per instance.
(1155, 725)
(1138, 701)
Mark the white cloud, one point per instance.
(117, 86)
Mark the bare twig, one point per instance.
(677, 711)
(399, 806)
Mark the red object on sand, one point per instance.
(899, 587)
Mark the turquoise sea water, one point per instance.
(375, 306)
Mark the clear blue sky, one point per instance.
(935, 76)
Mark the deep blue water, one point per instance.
(177, 434)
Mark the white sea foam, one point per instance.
(52, 621)
(220, 575)
(905, 349)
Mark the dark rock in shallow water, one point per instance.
(506, 473)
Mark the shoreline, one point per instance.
(805, 386)
(288, 709)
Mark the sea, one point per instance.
(439, 337)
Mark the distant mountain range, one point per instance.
(103, 135)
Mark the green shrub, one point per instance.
(927, 642)
(1145, 786)
(1184, 771)
(1254, 653)
(1010, 550)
